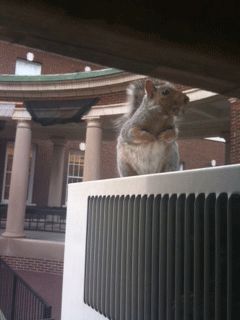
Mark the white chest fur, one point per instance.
(151, 157)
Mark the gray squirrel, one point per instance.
(147, 138)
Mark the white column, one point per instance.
(56, 175)
(92, 158)
(20, 175)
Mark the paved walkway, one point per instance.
(48, 286)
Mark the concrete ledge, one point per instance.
(29, 248)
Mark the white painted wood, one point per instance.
(218, 179)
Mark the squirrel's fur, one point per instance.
(147, 139)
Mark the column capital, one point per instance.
(21, 113)
(93, 122)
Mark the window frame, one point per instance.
(82, 155)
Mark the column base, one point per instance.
(7, 234)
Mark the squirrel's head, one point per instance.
(171, 102)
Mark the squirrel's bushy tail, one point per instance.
(135, 94)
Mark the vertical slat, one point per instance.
(104, 254)
(96, 250)
(141, 257)
(148, 258)
(198, 257)
(206, 260)
(92, 247)
(129, 259)
(100, 253)
(118, 257)
(220, 256)
(155, 257)
(88, 246)
(188, 257)
(108, 255)
(170, 257)
(235, 265)
(24, 302)
(179, 257)
(229, 260)
(139, 250)
(135, 245)
(163, 257)
(123, 260)
(209, 237)
(113, 257)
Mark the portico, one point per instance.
(209, 114)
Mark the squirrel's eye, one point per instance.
(165, 92)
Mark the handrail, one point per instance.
(49, 219)
(18, 300)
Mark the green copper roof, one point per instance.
(60, 77)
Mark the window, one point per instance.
(27, 68)
(75, 167)
(8, 173)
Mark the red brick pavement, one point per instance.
(48, 286)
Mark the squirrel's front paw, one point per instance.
(168, 136)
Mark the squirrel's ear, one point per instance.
(149, 88)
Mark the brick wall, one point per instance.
(195, 153)
(43, 169)
(42, 172)
(112, 98)
(51, 63)
(198, 153)
(108, 160)
(35, 265)
(235, 131)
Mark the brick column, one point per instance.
(92, 159)
(234, 131)
(56, 175)
(226, 136)
(20, 175)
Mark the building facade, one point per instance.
(45, 143)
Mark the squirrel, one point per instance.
(147, 139)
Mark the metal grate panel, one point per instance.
(168, 257)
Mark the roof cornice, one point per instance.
(71, 85)
(61, 77)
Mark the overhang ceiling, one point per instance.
(204, 118)
(191, 42)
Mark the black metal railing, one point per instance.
(51, 219)
(3, 215)
(18, 301)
